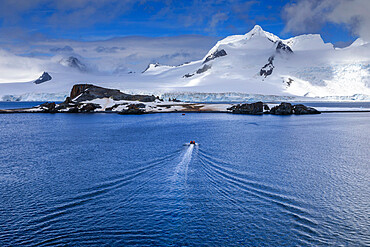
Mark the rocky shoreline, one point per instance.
(88, 98)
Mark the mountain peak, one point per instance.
(257, 28)
(258, 31)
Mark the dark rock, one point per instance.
(64, 105)
(266, 107)
(133, 109)
(85, 92)
(268, 68)
(302, 109)
(48, 107)
(216, 54)
(73, 110)
(253, 108)
(281, 47)
(140, 105)
(203, 69)
(288, 109)
(77, 90)
(43, 78)
(68, 100)
(289, 82)
(67, 103)
(73, 62)
(282, 109)
(155, 65)
(188, 75)
(89, 107)
(112, 107)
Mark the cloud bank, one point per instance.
(307, 16)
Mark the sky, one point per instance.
(123, 36)
(338, 21)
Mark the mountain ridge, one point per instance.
(257, 62)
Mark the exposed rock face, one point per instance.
(133, 109)
(74, 107)
(268, 68)
(216, 54)
(85, 92)
(199, 71)
(151, 65)
(73, 62)
(253, 108)
(302, 109)
(289, 82)
(288, 109)
(43, 78)
(78, 89)
(188, 75)
(282, 109)
(203, 69)
(89, 107)
(281, 47)
(48, 107)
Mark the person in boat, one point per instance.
(192, 142)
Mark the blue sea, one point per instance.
(114, 180)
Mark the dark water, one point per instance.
(106, 179)
(19, 104)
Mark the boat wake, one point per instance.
(228, 183)
(61, 210)
(181, 170)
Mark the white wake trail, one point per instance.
(182, 167)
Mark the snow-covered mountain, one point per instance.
(257, 63)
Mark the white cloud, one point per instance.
(117, 55)
(310, 15)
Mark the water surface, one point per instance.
(107, 179)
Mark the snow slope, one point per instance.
(255, 64)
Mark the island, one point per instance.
(88, 98)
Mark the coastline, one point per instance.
(88, 98)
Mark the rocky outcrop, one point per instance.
(267, 68)
(43, 78)
(252, 109)
(282, 109)
(216, 54)
(289, 109)
(259, 108)
(281, 47)
(302, 109)
(151, 65)
(188, 75)
(75, 107)
(75, 63)
(78, 89)
(133, 109)
(289, 82)
(86, 92)
(89, 107)
(48, 107)
(203, 69)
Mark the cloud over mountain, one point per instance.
(310, 15)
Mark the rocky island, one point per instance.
(88, 98)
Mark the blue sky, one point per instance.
(98, 19)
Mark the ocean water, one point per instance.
(18, 104)
(107, 179)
